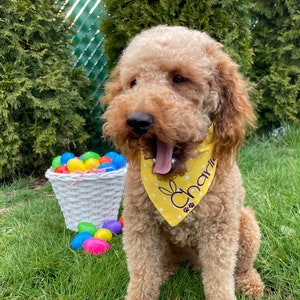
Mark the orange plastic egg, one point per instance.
(104, 159)
(121, 220)
(61, 169)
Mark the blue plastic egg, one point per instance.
(111, 154)
(119, 161)
(79, 239)
(65, 157)
(107, 167)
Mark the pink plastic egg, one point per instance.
(95, 246)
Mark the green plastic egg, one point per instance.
(87, 227)
(89, 154)
(56, 162)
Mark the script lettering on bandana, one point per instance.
(177, 197)
(175, 194)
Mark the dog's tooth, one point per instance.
(173, 160)
(154, 160)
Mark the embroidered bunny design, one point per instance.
(179, 198)
(182, 198)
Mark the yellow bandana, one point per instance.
(177, 197)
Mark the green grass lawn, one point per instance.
(36, 261)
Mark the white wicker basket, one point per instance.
(91, 198)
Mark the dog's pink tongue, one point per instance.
(163, 162)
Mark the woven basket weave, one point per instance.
(91, 198)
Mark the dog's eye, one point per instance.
(132, 83)
(178, 78)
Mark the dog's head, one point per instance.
(170, 84)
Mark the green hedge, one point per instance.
(276, 68)
(261, 36)
(224, 20)
(44, 102)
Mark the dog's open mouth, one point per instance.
(166, 157)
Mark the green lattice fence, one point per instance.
(86, 44)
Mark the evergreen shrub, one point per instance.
(261, 36)
(44, 102)
(276, 68)
(226, 21)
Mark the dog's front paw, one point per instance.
(250, 284)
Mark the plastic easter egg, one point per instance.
(111, 154)
(113, 225)
(95, 246)
(103, 234)
(65, 157)
(79, 239)
(119, 161)
(56, 162)
(92, 163)
(107, 167)
(62, 169)
(86, 227)
(75, 164)
(121, 220)
(105, 159)
(89, 154)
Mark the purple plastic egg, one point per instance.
(95, 246)
(113, 225)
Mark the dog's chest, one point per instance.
(185, 234)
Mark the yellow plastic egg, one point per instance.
(92, 163)
(103, 234)
(75, 164)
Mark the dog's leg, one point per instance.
(142, 240)
(144, 248)
(217, 256)
(247, 278)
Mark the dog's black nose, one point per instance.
(139, 122)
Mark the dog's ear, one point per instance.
(234, 112)
(113, 87)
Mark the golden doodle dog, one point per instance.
(177, 107)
